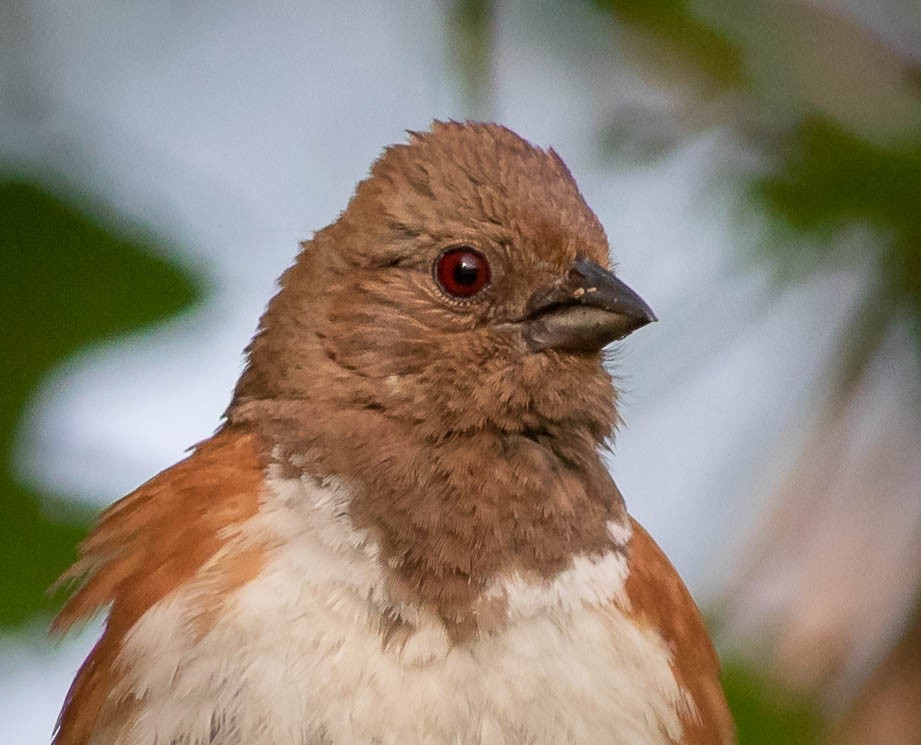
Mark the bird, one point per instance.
(403, 529)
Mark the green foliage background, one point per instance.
(72, 280)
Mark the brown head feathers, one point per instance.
(361, 308)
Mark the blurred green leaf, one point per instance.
(826, 179)
(68, 281)
(766, 715)
(695, 43)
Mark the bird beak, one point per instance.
(584, 311)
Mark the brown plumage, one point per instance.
(659, 598)
(143, 547)
(439, 425)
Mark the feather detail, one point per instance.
(142, 548)
(659, 599)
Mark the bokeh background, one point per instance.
(757, 166)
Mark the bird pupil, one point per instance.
(466, 271)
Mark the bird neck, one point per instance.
(451, 516)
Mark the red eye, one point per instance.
(462, 272)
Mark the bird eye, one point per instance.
(462, 272)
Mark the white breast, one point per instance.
(297, 657)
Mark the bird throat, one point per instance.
(452, 517)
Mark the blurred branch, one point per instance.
(471, 45)
(888, 709)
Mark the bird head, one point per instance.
(466, 287)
